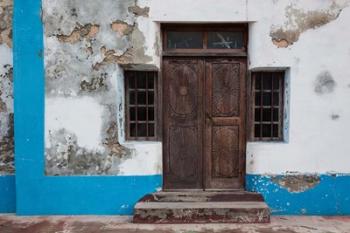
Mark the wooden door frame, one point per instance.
(205, 54)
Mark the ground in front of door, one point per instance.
(117, 224)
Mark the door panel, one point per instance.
(225, 89)
(225, 123)
(182, 123)
(224, 145)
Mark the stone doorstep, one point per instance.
(202, 212)
(204, 196)
(198, 205)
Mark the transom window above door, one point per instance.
(220, 38)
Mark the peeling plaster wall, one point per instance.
(86, 42)
(86, 50)
(6, 89)
(319, 97)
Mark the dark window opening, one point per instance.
(141, 97)
(267, 106)
(185, 40)
(199, 38)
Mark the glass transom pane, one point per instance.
(225, 40)
(185, 40)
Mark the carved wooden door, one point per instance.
(225, 108)
(182, 122)
(203, 123)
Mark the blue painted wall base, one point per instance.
(105, 195)
(7, 194)
(330, 197)
(117, 195)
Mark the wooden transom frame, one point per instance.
(205, 29)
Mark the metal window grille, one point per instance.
(141, 99)
(268, 89)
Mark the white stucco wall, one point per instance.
(316, 140)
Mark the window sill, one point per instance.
(267, 142)
(140, 142)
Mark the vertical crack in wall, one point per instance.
(6, 89)
(85, 41)
(299, 21)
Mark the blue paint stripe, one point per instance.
(85, 195)
(7, 194)
(330, 197)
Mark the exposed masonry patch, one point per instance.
(324, 83)
(6, 89)
(70, 159)
(83, 48)
(139, 11)
(121, 27)
(87, 31)
(296, 183)
(6, 124)
(299, 21)
(6, 9)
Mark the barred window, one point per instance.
(267, 96)
(141, 99)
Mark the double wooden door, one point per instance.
(204, 111)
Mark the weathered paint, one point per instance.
(308, 78)
(299, 21)
(297, 194)
(56, 195)
(83, 50)
(7, 168)
(316, 143)
(6, 89)
(308, 148)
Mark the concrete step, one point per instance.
(201, 212)
(202, 196)
(202, 207)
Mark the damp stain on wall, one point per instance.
(335, 116)
(6, 89)
(298, 21)
(324, 83)
(84, 49)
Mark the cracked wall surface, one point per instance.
(86, 41)
(6, 89)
